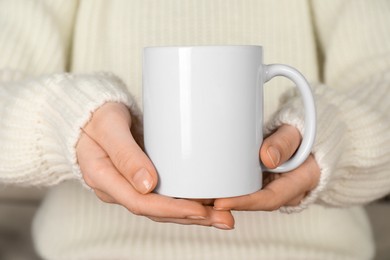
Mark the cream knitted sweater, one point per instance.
(342, 47)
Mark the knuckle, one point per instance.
(88, 179)
(154, 219)
(272, 206)
(123, 160)
(104, 197)
(96, 173)
(99, 173)
(136, 210)
(285, 144)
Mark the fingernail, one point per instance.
(222, 226)
(196, 217)
(273, 155)
(142, 180)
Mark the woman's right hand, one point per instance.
(118, 171)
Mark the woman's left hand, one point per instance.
(279, 189)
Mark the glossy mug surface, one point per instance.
(203, 118)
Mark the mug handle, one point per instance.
(304, 150)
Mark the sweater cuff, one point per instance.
(328, 144)
(42, 120)
(69, 104)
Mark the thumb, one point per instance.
(280, 146)
(110, 128)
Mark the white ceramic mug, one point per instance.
(203, 118)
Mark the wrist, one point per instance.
(71, 100)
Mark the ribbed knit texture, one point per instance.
(105, 231)
(343, 120)
(111, 36)
(35, 36)
(41, 117)
(42, 120)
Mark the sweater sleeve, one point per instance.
(42, 108)
(352, 146)
(41, 122)
(36, 35)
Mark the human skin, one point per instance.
(117, 169)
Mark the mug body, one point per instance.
(203, 110)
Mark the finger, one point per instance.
(110, 128)
(104, 196)
(100, 174)
(114, 184)
(218, 219)
(90, 157)
(269, 177)
(277, 193)
(296, 201)
(280, 146)
(206, 202)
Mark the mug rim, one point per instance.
(165, 47)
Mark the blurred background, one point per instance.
(18, 205)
